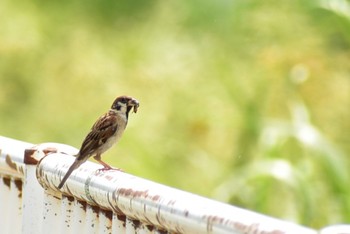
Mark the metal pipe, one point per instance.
(11, 157)
(155, 204)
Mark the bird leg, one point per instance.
(105, 165)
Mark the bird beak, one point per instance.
(134, 103)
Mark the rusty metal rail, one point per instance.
(96, 201)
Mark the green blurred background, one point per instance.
(246, 102)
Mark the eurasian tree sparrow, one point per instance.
(106, 131)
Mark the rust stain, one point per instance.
(83, 204)
(7, 182)
(161, 231)
(125, 192)
(150, 228)
(49, 150)
(155, 198)
(70, 198)
(29, 157)
(96, 210)
(10, 163)
(29, 154)
(19, 185)
(108, 214)
(136, 223)
(122, 218)
(253, 228)
(56, 197)
(135, 194)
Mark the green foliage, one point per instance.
(246, 102)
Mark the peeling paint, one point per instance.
(10, 163)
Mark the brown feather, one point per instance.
(100, 132)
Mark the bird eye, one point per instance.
(118, 107)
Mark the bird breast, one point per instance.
(114, 138)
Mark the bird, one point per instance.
(106, 131)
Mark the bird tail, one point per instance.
(74, 166)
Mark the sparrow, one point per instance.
(106, 131)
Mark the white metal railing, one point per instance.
(96, 201)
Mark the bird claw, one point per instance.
(110, 168)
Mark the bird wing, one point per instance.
(100, 132)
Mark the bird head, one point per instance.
(124, 104)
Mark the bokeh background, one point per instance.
(246, 102)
